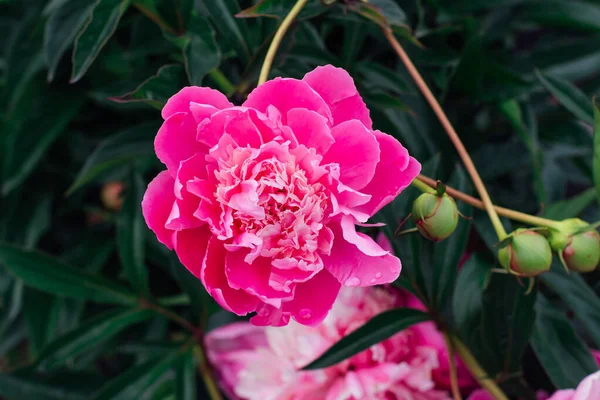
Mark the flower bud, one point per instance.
(527, 253)
(582, 254)
(111, 195)
(435, 216)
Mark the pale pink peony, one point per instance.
(263, 363)
(588, 389)
(261, 202)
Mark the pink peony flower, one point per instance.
(261, 202)
(588, 389)
(263, 363)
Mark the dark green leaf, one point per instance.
(569, 96)
(41, 316)
(89, 335)
(569, 208)
(578, 296)
(563, 355)
(377, 329)
(376, 75)
(99, 28)
(186, 378)
(385, 13)
(199, 298)
(131, 232)
(596, 160)
(570, 14)
(233, 32)
(13, 386)
(50, 275)
(157, 89)
(59, 32)
(201, 53)
(281, 8)
(116, 150)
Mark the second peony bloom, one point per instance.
(261, 201)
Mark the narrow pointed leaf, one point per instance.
(569, 95)
(596, 160)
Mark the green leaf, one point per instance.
(132, 383)
(569, 208)
(569, 14)
(121, 148)
(186, 378)
(233, 32)
(156, 90)
(50, 275)
(41, 316)
(131, 232)
(280, 9)
(199, 298)
(99, 28)
(89, 335)
(578, 296)
(59, 32)
(15, 386)
(376, 75)
(377, 329)
(596, 160)
(569, 95)
(562, 353)
(385, 13)
(201, 53)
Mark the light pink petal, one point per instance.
(351, 264)
(385, 186)
(176, 141)
(589, 388)
(180, 102)
(253, 278)
(313, 299)
(235, 337)
(356, 151)
(200, 112)
(310, 129)
(157, 204)
(285, 94)
(567, 394)
(214, 279)
(190, 246)
(337, 88)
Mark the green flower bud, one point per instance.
(435, 216)
(527, 253)
(582, 254)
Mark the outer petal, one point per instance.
(214, 280)
(157, 204)
(176, 141)
(337, 88)
(351, 263)
(386, 185)
(313, 299)
(356, 151)
(310, 129)
(190, 246)
(589, 388)
(180, 101)
(567, 394)
(285, 94)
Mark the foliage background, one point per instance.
(91, 306)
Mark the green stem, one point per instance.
(422, 186)
(285, 24)
(177, 300)
(222, 82)
(205, 373)
(165, 312)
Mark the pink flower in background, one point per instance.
(263, 363)
(588, 389)
(261, 202)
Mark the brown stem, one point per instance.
(170, 315)
(452, 364)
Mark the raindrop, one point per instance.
(305, 313)
(353, 281)
(378, 275)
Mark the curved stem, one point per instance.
(505, 212)
(486, 382)
(170, 315)
(452, 364)
(460, 148)
(285, 24)
(422, 186)
(205, 373)
(222, 82)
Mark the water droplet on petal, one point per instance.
(353, 281)
(378, 275)
(305, 313)
(373, 280)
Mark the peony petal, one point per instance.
(267, 315)
(313, 299)
(385, 186)
(310, 129)
(350, 264)
(182, 214)
(337, 88)
(190, 246)
(356, 151)
(180, 101)
(190, 169)
(253, 278)
(176, 141)
(215, 281)
(157, 204)
(285, 94)
(362, 241)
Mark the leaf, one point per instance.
(385, 13)
(121, 148)
(50, 275)
(131, 232)
(377, 75)
(156, 90)
(199, 298)
(88, 335)
(99, 28)
(596, 159)
(186, 378)
(578, 296)
(562, 353)
(377, 329)
(569, 14)
(569, 208)
(134, 381)
(59, 32)
(41, 316)
(14, 386)
(233, 32)
(280, 9)
(526, 127)
(569, 95)
(201, 53)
